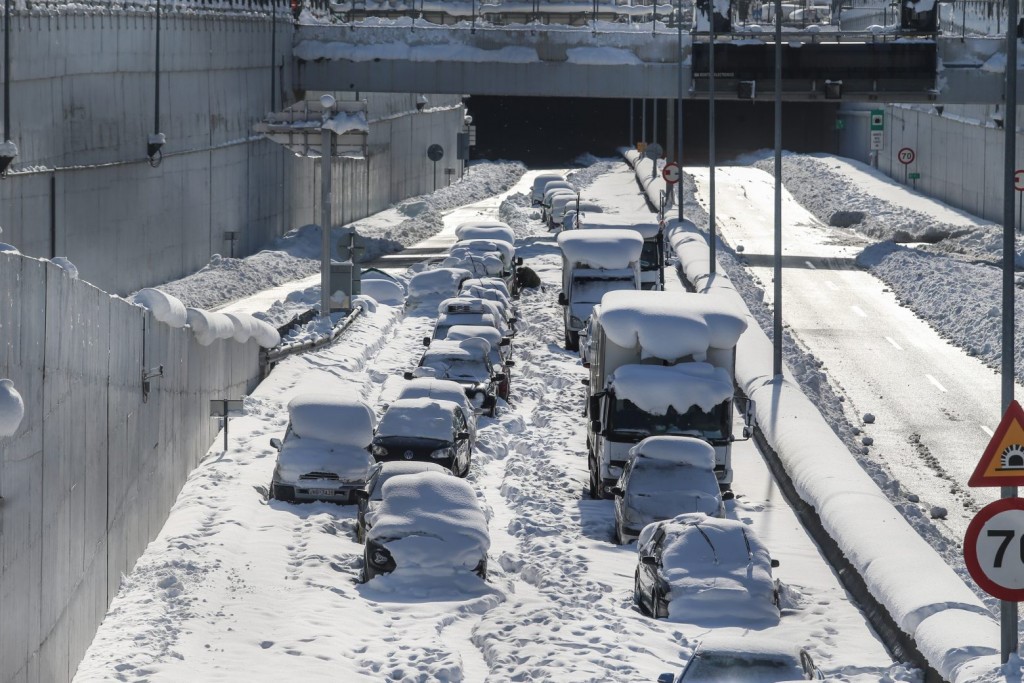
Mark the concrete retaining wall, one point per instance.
(89, 477)
(83, 94)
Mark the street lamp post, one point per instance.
(679, 110)
(326, 154)
(711, 137)
(777, 269)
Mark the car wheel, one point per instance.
(595, 482)
(572, 341)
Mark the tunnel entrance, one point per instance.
(544, 132)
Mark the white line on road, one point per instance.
(936, 383)
(893, 342)
(810, 265)
(831, 285)
(986, 430)
(858, 311)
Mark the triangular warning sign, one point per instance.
(1003, 461)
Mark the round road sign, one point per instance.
(435, 152)
(994, 549)
(1018, 180)
(671, 173)
(653, 151)
(906, 156)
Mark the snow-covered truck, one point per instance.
(595, 262)
(661, 363)
(652, 258)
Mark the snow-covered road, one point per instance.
(932, 403)
(239, 588)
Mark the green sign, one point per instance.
(840, 124)
(877, 119)
(914, 176)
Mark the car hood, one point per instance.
(303, 456)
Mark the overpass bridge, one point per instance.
(633, 61)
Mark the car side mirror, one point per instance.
(562, 300)
(510, 363)
(595, 426)
(649, 560)
(407, 374)
(505, 341)
(501, 377)
(426, 341)
(585, 381)
(747, 432)
(775, 564)
(361, 495)
(462, 436)
(586, 364)
(728, 495)
(275, 443)
(513, 320)
(666, 678)
(519, 260)
(616, 491)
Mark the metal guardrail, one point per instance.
(271, 357)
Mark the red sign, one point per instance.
(1002, 463)
(906, 156)
(1018, 180)
(671, 173)
(994, 549)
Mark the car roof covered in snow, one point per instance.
(442, 280)
(681, 450)
(469, 349)
(642, 224)
(439, 389)
(333, 418)
(601, 249)
(486, 231)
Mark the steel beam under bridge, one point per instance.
(576, 62)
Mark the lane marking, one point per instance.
(858, 311)
(831, 285)
(987, 430)
(893, 342)
(810, 265)
(936, 383)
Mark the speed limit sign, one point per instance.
(906, 156)
(994, 549)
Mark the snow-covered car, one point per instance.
(500, 350)
(665, 476)
(560, 205)
(746, 658)
(464, 310)
(505, 251)
(537, 191)
(325, 452)
(574, 213)
(550, 196)
(441, 390)
(370, 496)
(495, 283)
(444, 282)
(466, 362)
(425, 429)
(486, 230)
(427, 523)
(490, 294)
(699, 569)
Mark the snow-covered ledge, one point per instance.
(951, 627)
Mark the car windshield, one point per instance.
(590, 290)
(728, 667)
(458, 368)
(627, 419)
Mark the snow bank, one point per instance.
(208, 326)
(332, 418)
(164, 307)
(445, 281)
(656, 388)
(436, 520)
(8, 248)
(425, 418)
(12, 408)
(681, 450)
(951, 627)
(67, 266)
(609, 249)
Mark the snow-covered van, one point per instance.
(593, 263)
(661, 363)
(652, 258)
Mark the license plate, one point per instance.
(321, 492)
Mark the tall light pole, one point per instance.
(777, 326)
(326, 154)
(1008, 610)
(711, 137)
(679, 109)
